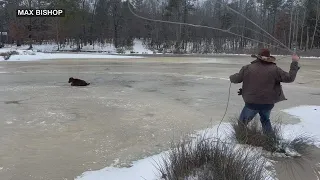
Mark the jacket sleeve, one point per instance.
(237, 77)
(286, 77)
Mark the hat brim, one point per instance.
(264, 58)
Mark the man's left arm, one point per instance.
(237, 77)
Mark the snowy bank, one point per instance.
(28, 55)
(137, 48)
(141, 170)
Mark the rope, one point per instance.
(223, 30)
(275, 39)
(198, 26)
(225, 112)
(229, 29)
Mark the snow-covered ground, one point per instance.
(137, 48)
(28, 55)
(140, 170)
(45, 51)
(146, 170)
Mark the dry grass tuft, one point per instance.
(212, 160)
(253, 135)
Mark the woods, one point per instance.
(295, 23)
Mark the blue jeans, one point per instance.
(251, 110)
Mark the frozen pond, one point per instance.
(132, 109)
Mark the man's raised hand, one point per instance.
(295, 57)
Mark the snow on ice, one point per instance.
(309, 125)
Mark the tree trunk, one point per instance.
(78, 44)
(30, 29)
(115, 35)
(274, 22)
(290, 27)
(184, 31)
(115, 24)
(302, 27)
(307, 43)
(316, 25)
(57, 33)
(92, 22)
(294, 30)
(285, 37)
(297, 28)
(1, 40)
(18, 42)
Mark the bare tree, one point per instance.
(316, 25)
(308, 37)
(290, 33)
(302, 27)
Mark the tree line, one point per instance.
(294, 23)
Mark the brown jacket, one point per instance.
(261, 81)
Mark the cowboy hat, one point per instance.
(264, 55)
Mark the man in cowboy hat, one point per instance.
(261, 87)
